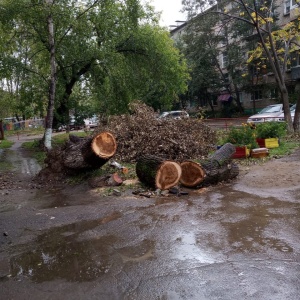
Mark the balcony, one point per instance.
(295, 73)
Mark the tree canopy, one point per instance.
(107, 53)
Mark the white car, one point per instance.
(176, 114)
(281, 116)
(267, 114)
(91, 122)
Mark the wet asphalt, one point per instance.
(230, 241)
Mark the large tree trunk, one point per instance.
(1, 130)
(158, 173)
(52, 87)
(80, 154)
(218, 167)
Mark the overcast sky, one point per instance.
(170, 11)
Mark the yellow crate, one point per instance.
(247, 152)
(272, 143)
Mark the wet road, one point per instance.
(233, 241)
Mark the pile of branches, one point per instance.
(143, 133)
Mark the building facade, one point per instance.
(259, 88)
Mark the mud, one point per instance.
(236, 240)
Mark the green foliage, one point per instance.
(271, 130)
(59, 139)
(108, 53)
(5, 144)
(286, 147)
(35, 150)
(242, 136)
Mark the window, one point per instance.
(256, 95)
(273, 93)
(289, 5)
(224, 59)
(226, 78)
(214, 100)
(241, 97)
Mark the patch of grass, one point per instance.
(5, 144)
(5, 166)
(59, 139)
(286, 147)
(37, 152)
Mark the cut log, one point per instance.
(192, 174)
(107, 180)
(80, 153)
(218, 167)
(158, 173)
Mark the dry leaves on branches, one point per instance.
(143, 132)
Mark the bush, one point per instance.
(268, 130)
(242, 136)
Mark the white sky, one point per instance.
(170, 11)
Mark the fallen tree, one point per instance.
(157, 173)
(217, 167)
(82, 153)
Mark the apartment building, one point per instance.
(260, 89)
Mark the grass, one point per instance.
(59, 139)
(5, 166)
(286, 146)
(5, 144)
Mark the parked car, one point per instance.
(91, 122)
(281, 116)
(267, 114)
(176, 114)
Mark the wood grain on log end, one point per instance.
(192, 174)
(168, 175)
(104, 145)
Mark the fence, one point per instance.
(22, 125)
(226, 123)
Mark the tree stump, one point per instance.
(79, 153)
(192, 174)
(218, 167)
(158, 173)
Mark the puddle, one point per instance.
(187, 248)
(66, 253)
(15, 161)
(138, 253)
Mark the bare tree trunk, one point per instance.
(52, 86)
(297, 111)
(1, 130)
(286, 108)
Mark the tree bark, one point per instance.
(80, 154)
(158, 173)
(1, 130)
(52, 86)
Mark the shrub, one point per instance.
(242, 136)
(268, 130)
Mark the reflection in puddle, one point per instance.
(65, 253)
(249, 234)
(188, 249)
(138, 253)
(17, 162)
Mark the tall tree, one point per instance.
(111, 51)
(260, 15)
(52, 84)
(208, 39)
